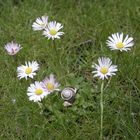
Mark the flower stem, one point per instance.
(41, 107)
(57, 59)
(117, 57)
(54, 46)
(101, 106)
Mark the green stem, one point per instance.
(54, 46)
(14, 59)
(41, 107)
(130, 104)
(101, 106)
(57, 61)
(117, 57)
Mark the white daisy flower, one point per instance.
(36, 92)
(104, 69)
(27, 70)
(40, 23)
(12, 48)
(51, 84)
(118, 42)
(52, 31)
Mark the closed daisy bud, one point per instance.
(52, 30)
(118, 42)
(104, 69)
(36, 92)
(12, 48)
(50, 84)
(27, 70)
(40, 23)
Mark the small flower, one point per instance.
(51, 84)
(116, 42)
(53, 30)
(105, 68)
(27, 70)
(13, 100)
(40, 23)
(12, 48)
(36, 92)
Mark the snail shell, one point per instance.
(68, 93)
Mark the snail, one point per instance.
(68, 95)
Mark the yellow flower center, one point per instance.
(50, 86)
(28, 70)
(38, 91)
(53, 32)
(104, 70)
(120, 45)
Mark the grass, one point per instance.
(87, 24)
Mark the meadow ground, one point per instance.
(87, 25)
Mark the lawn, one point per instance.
(87, 25)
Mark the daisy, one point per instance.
(51, 84)
(36, 92)
(53, 30)
(104, 69)
(12, 48)
(40, 23)
(118, 42)
(27, 70)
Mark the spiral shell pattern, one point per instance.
(68, 93)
